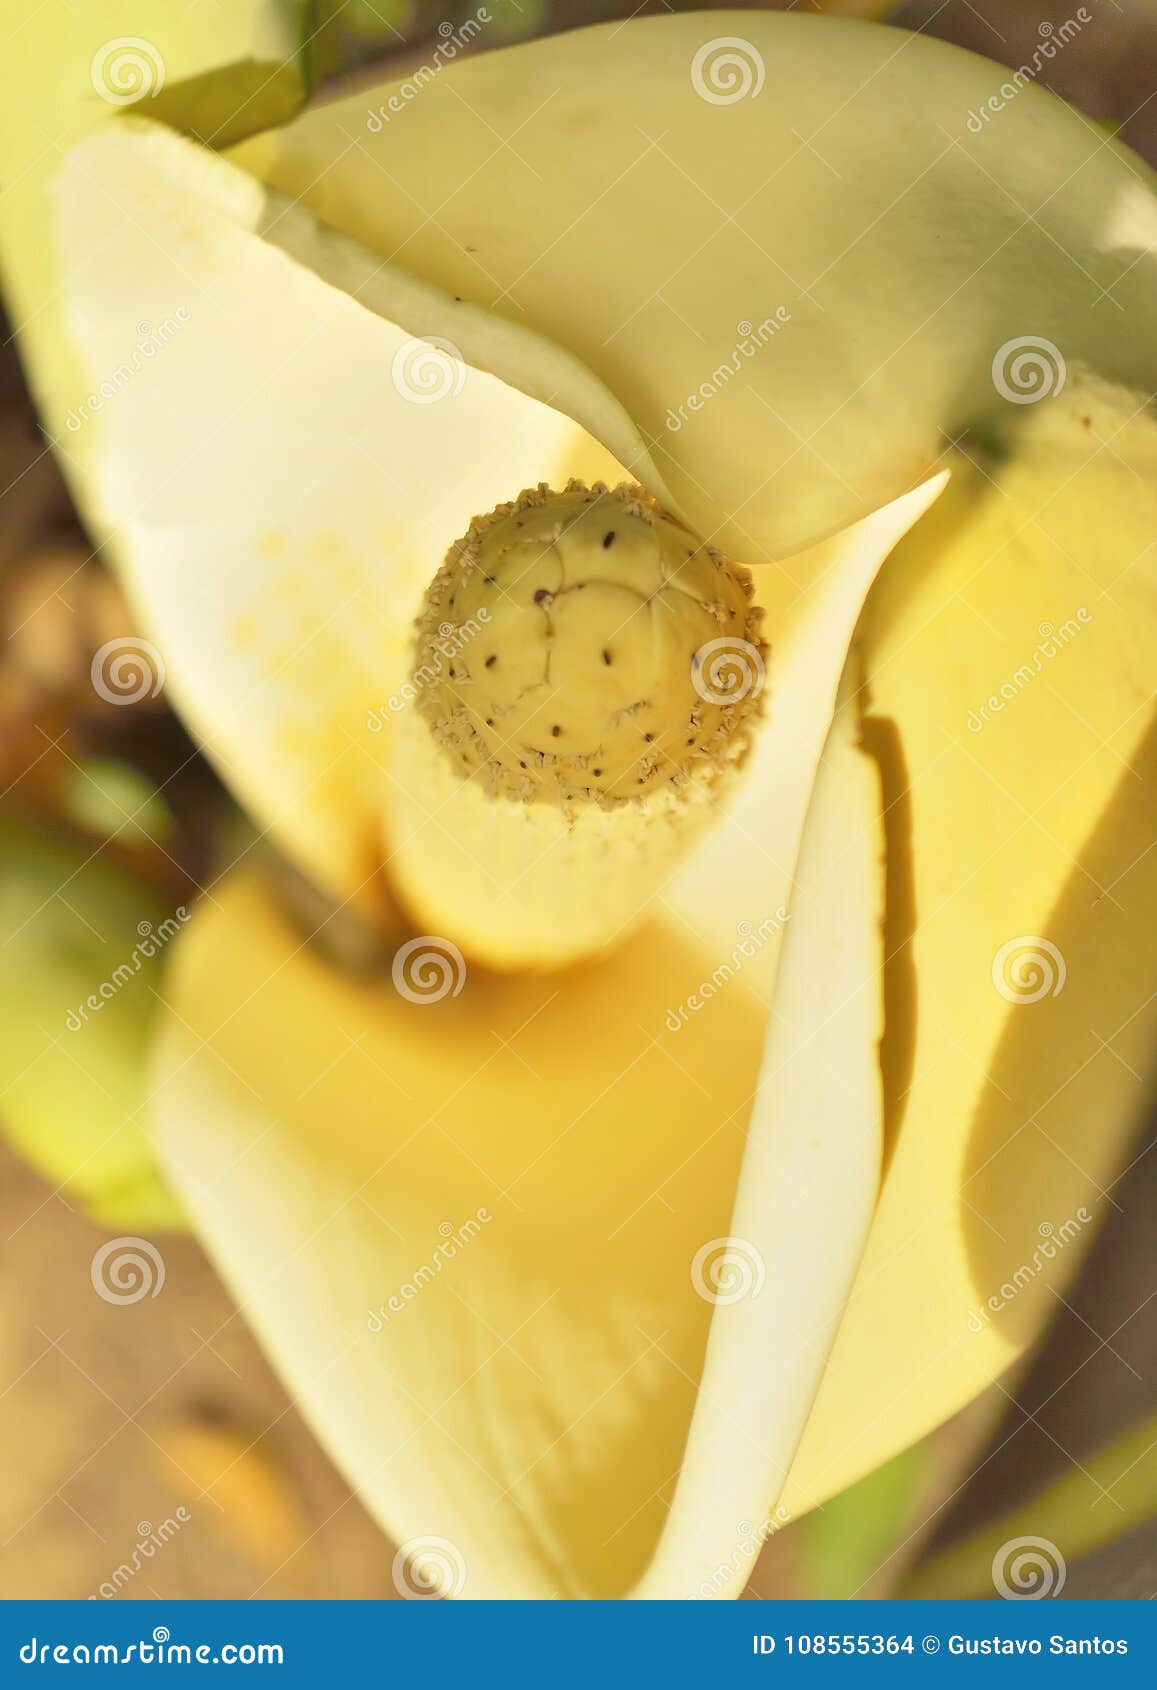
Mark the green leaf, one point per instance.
(842, 1544)
(81, 948)
(1113, 1493)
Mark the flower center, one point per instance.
(584, 646)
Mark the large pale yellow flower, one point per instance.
(711, 1164)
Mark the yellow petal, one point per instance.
(279, 566)
(222, 70)
(465, 1227)
(280, 478)
(809, 1180)
(644, 198)
(550, 1168)
(1009, 649)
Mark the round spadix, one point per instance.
(583, 646)
(587, 675)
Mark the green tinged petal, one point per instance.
(221, 72)
(80, 949)
(777, 307)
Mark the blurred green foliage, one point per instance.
(81, 950)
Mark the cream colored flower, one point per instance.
(725, 1196)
